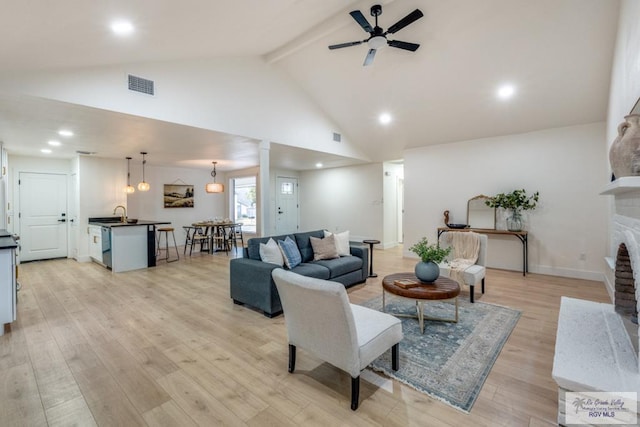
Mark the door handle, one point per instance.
(62, 220)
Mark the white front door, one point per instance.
(286, 205)
(43, 215)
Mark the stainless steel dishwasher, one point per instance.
(106, 246)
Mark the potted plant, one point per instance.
(427, 269)
(515, 202)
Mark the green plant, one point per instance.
(516, 200)
(428, 252)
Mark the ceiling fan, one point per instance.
(378, 37)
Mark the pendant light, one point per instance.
(143, 185)
(129, 188)
(214, 187)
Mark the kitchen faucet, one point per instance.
(124, 212)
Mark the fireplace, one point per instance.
(625, 299)
(597, 344)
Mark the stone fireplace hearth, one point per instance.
(597, 344)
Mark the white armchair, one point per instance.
(473, 274)
(320, 320)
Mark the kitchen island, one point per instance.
(123, 246)
(8, 283)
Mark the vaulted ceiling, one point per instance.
(556, 53)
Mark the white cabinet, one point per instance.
(95, 243)
(7, 285)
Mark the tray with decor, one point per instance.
(458, 226)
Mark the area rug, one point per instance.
(451, 361)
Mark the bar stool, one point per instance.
(165, 231)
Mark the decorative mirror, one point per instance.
(479, 215)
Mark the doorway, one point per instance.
(286, 205)
(42, 215)
(244, 209)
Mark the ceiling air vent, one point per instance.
(138, 84)
(337, 137)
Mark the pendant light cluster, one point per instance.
(214, 187)
(143, 185)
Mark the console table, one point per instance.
(523, 236)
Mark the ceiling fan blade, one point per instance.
(413, 16)
(341, 45)
(403, 45)
(360, 19)
(369, 58)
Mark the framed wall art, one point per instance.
(178, 196)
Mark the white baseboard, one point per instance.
(85, 258)
(568, 272)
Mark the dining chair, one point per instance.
(236, 235)
(197, 237)
(220, 238)
(321, 321)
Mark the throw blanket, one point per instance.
(466, 247)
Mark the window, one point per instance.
(287, 188)
(244, 202)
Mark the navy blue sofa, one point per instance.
(250, 278)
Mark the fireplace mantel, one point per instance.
(622, 185)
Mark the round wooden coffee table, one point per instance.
(442, 289)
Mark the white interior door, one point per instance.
(286, 205)
(42, 215)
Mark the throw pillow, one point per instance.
(270, 252)
(324, 248)
(290, 252)
(342, 242)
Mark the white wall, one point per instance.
(241, 96)
(393, 173)
(150, 205)
(101, 185)
(100, 189)
(565, 164)
(339, 199)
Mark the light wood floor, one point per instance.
(166, 346)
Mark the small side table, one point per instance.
(371, 242)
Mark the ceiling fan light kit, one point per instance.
(377, 36)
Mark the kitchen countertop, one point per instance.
(6, 240)
(114, 222)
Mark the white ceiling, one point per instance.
(556, 52)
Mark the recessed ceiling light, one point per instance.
(318, 165)
(54, 143)
(384, 118)
(45, 150)
(506, 91)
(65, 132)
(122, 28)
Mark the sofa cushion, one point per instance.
(304, 244)
(342, 265)
(312, 269)
(290, 252)
(342, 242)
(324, 248)
(253, 245)
(270, 252)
